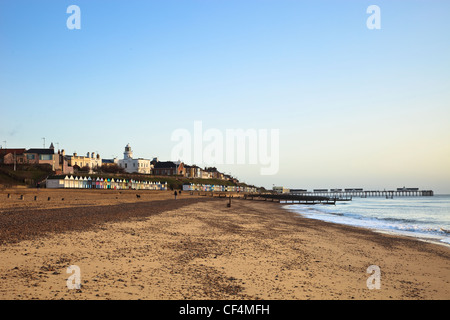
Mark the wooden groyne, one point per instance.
(292, 199)
(270, 197)
(279, 198)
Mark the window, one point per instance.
(45, 157)
(30, 157)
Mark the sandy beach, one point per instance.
(194, 247)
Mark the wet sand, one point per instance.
(155, 247)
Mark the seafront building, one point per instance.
(193, 171)
(62, 164)
(37, 156)
(280, 189)
(131, 165)
(91, 160)
(169, 168)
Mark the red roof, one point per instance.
(4, 152)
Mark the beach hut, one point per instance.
(70, 182)
(54, 182)
(187, 186)
(66, 182)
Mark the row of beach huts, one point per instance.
(216, 188)
(83, 182)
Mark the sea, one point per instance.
(425, 218)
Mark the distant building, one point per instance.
(64, 166)
(193, 171)
(281, 189)
(214, 173)
(132, 165)
(11, 156)
(91, 160)
(169, 168)
(42, 156)
(206, 174)
(110, 162)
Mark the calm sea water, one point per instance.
(423, 217)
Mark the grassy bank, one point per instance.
(24, 175)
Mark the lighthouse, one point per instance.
(128, 154)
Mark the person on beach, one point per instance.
(175, 194)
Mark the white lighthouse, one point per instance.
(128, 154)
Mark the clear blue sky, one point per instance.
(355, 107)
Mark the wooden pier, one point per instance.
(389, 194)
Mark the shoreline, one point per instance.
(204, 250)
(419, 236)
(395, 233)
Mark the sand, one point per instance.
(155, 247)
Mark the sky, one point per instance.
(354, 107)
